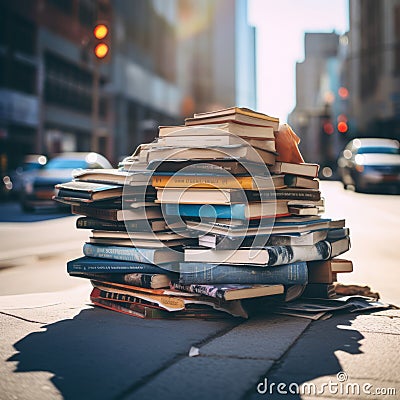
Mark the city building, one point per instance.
(316, 88)
(167, 59)
(373, 68)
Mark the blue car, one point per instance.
(38, 189)
(370, 164)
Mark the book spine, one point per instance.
(222, 182)
(92, 223)
(99, 213)
(109, 266)
(119, 253)
(235, 211)
(202, 273)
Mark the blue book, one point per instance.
(205, 273)
(128, 253)
(239, 211)
(102, 266)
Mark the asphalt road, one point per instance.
(373, 220)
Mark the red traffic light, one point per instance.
(101, 50)
(342, 127)
(101, 35)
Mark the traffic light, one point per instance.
(101, 34)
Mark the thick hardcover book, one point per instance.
(232, 291)
(140, 225)
(238, 211)
(152, 256)
(267, 256)
(207, 273)
(106, 266)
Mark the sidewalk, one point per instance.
(55, 346)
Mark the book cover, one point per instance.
(107, 266)
(304, 169)
(232, 291)
(140, 225)
(205, 273)
(122, 253)
(144, 280)
(233, 211)
(267, 256)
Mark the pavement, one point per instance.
(57, 346)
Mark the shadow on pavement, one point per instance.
(11, 212)
(312, 357)
(101, 354)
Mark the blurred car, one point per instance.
(30, 165)
(370, 163)
(38, 189)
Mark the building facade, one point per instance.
(373, 67)
(168, 59)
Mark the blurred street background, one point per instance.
(67, 87)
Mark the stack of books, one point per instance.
(258, 220)
(205, 220)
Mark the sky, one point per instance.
(280, 27)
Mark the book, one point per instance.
(140, 310)
(298, 210)
(140, 225)
(239, 114)
(267, 256)
(241, 152)
(117, 214)
(142, 243)
(211, 166)
(304, 169)
(340, 246)
(113, 176)
(88, 191)
(338, 233)
(145, 280)
(173, 303)
(249, 211)
(294, 181)
(321, 272)
(125, 253)
(209, 273)
(226, 181)
(208, 138)
(340, 265)
(232, 291)
(280, 227)
(93, 265)
(228, 196)
(224, 242)
(234, 127)
(161, 236)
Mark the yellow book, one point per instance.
(217, 182)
